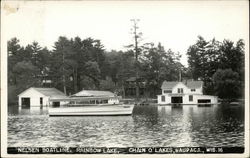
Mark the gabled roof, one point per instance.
(194, 84)
(189, 84)
(168, 84)
(51, 92)
(93, 93)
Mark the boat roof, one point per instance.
(93, 93)
(84, 98)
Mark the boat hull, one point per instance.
(108, 110)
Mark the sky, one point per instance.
(175, 24)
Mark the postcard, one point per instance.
(125, 78)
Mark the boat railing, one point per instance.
(106, 104)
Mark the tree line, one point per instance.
(220, 65)
(75, 64)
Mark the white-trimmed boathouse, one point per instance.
(189, 92)
(38, 97)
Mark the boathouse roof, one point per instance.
(189, 84)
(194, 84)
(51, 92)
(93, 93)
(169, 84)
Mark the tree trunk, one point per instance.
(75, 80)
(123, 91)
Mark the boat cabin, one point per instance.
(91, 97)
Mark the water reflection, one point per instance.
(15, 110)
(149, 126)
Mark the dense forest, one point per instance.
(75, 64)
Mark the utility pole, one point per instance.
(180, 79)
(136, 36)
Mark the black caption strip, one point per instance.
(128, 150)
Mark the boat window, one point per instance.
(192, 90)
(83, 102)
(104, 101)
(92, 101)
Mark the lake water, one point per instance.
(190, 126)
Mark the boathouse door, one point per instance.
(176, 100)
(25, 102)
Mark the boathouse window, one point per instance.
(204, 100)
(192, 90)
(180, 90)
(191, 98)
(41, 101)
(167, 91)
(163, 98)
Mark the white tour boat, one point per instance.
(102, 110)
(89, 106)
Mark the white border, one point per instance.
(3, 58)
